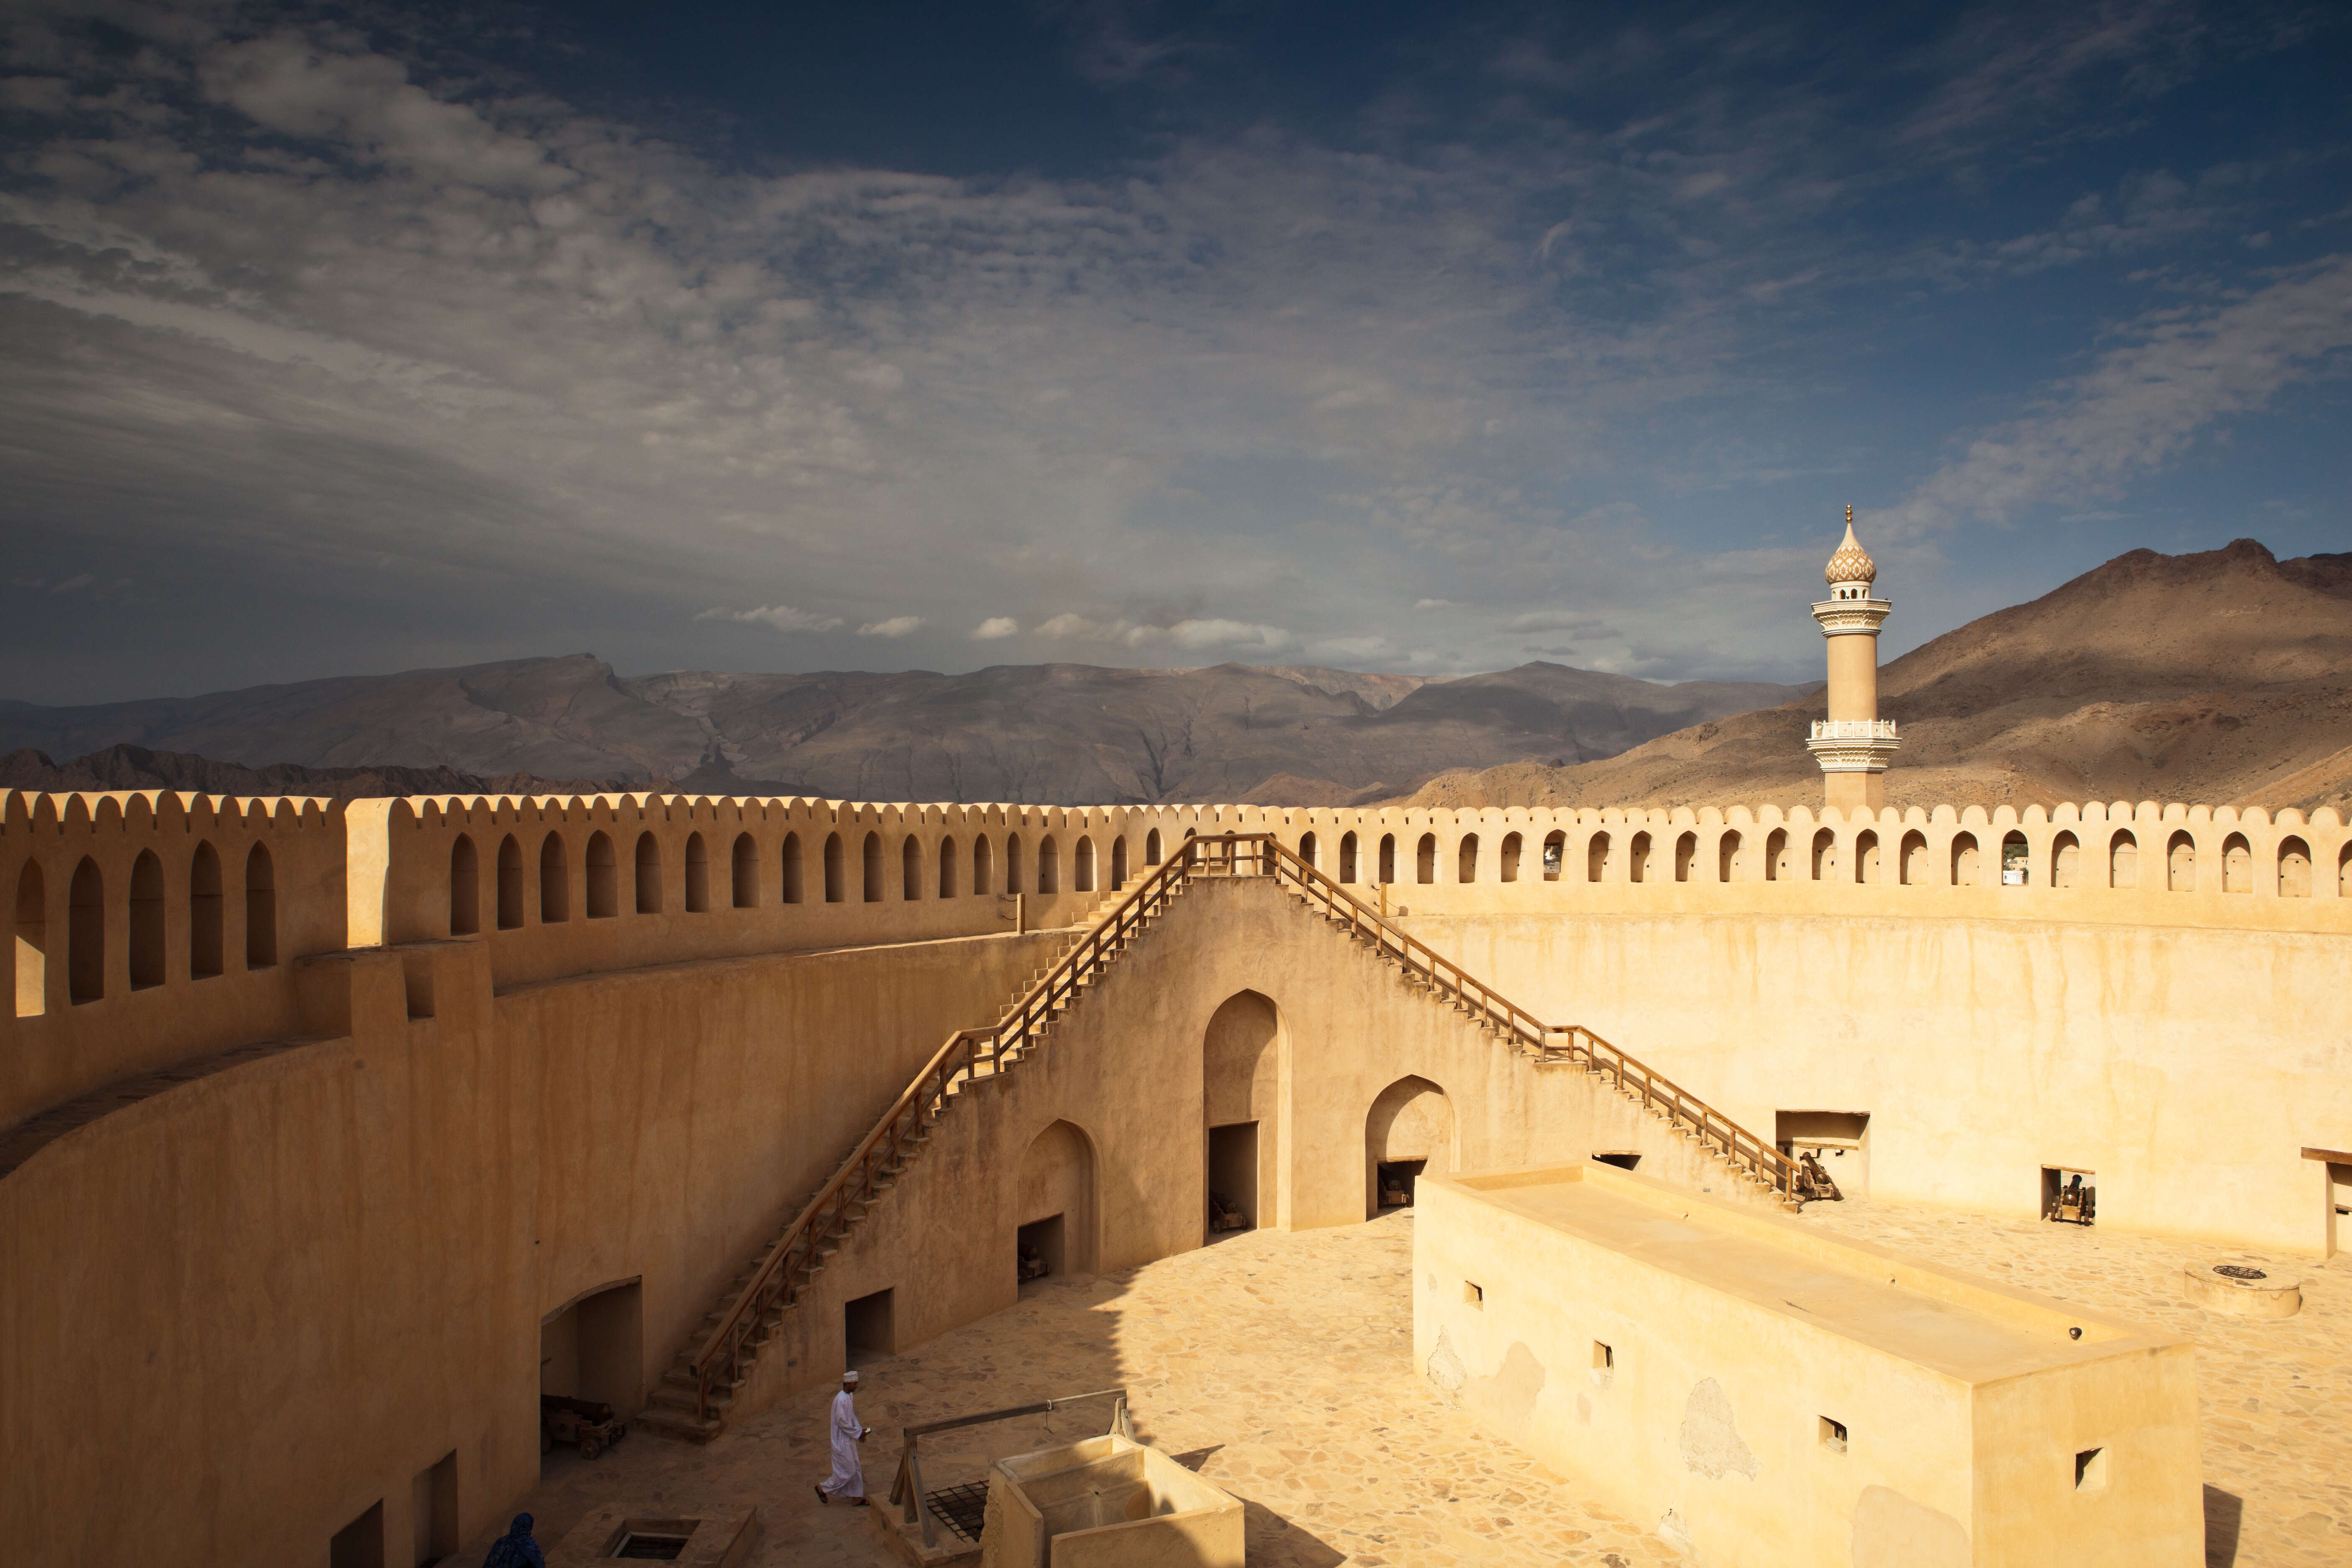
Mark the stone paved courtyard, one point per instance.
(1279, 1366)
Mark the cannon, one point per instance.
(584, 1422)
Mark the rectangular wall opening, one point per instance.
(359, 1544)
(434, 1510)
(1039, 1248)
(2069, 1197)
(1604, 1364)
(1834, 1435)
(867, 1329)
(1474, 1294)
(1837, 1141)
(1232, 1177)
(1625, 1160)
(2090, 1469)
(1394, 1180)
(2340, 1208)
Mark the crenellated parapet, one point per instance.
(148, 927)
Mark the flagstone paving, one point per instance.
(1279, 1366)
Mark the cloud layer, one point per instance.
(338, 351)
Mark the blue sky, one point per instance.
(1412, 338)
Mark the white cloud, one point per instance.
(1068, 624)
(896, 626)
(1554, 621)
(782, 617)
(1195, 635)
(1433, 603)
(2143, 403)
(996, 627)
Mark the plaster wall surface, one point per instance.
(236, 1313)
(1733, 1338)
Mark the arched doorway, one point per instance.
(1053, 1204)
(1409, 1128)
(1241, 1078)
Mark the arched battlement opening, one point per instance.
(697, 875)
(911, 869)
(1151, 847)
(1596, 857)
(1778, 864)
(555, 881)
(1387, 859)
(1118, 863)
(1685, 851)
(1082, 864)
(1825, 856)
(790, 881)
(85, 934)
(2066, 861)
(1307, 851)
(604, 880)
(743, 872)
(948, 863)
(982, 866)
(649, 875)
(836, 885)
(1465, 858)
(465, 887)
(1966, 872)
(869, 870)
(1013, 864)
(1055, 1203)
(146, 921)
(261, 908)
(1728, 862)
(2180, 863)
(1865, 857)
(1913, 869)
(1506, 862)
(2293, 868)
(2237, 864)
(1049, 865)
(1424, 859)
(207, 916)
(1347, 857)
(1409, 1127)
(1241, 1087)
(32, 942)
(2123, 860)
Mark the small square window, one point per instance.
(1474, 1294)
(1604, 1364)
(1834, 1435)
(2090, 1469)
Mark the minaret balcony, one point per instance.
(1854, 730)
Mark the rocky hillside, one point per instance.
(136, 767)
(1078, 733)
(2222, 677)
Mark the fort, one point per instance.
(331, 1135)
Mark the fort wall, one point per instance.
(289, 1212)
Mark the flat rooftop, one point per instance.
(1964, 1327)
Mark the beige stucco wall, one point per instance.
(1964, 1403)
(559, 1106)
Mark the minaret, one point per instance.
(1853, 743)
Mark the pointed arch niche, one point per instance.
(1054, 1201)
(1240, 1058)
(1409, 1128)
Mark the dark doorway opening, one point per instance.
(1038, 1247)
(435, 1511)
(359, 1544)
(1232, 1177)
(1622, 1162)
(865, 1328)
(1395, 1179)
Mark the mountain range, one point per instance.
(2223, 675)
(1065, 733)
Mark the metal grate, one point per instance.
(962, 1508)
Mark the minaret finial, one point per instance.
(1849, 514)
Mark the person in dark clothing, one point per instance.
(516, 1549)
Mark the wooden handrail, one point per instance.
(959, 1059)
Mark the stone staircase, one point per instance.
(697, 1390)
